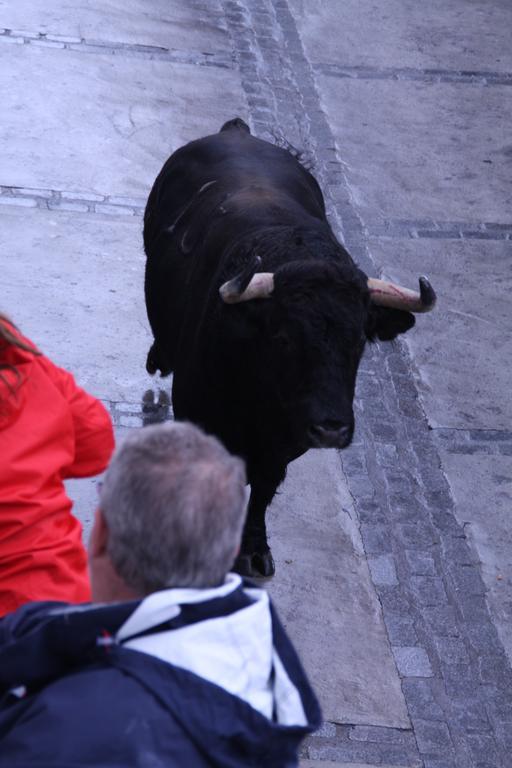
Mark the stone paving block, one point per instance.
(499, 708)
(439, 762)
(372, 754)
(165, 23)
(404, 508)
(376, 539)
(484, 638)
(18, 202)
(370, 511)
(470, 716)
(397, 482)
(383, 570)
(47, 44)
(400, 629)
(63, 38)
(441, 620)
(45, 193)
(505, 735)
(88, 196)
(331, 764)
(482, 748)
(460, 682)
(457, 550)
(439, 35)
(421, 698)
(451, 650)
(384, 432)
(490, 435)
(387, 454)
(112, 210)
(466, 578)
(393, 600)
(492, 668)
(398, 181)
(381, 735)
(442, 513)
(131, 421)
(60, 205)
(129, 103)
(412, 661)
(421, 563)
(474, 608)
(360, 487)
(417, 535)
(429, 590)
(432, 736)
(326, 731)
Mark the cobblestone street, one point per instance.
(403, 112)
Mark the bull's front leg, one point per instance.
(255, 558)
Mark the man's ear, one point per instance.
(386, 324)
(99, 536)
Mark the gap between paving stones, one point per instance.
(76, 202)
(495, 442)
(420, 75)
(401, 495)
(82, 45)
(428, 228)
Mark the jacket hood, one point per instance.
(192, 640)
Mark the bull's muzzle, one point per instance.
(330, 435)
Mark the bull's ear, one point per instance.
(386, 324)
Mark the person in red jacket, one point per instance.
(50, 430)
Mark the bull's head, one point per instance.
(313, 332)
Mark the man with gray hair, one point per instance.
(177, 662)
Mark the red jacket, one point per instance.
(50, 429)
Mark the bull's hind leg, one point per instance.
(255, 559)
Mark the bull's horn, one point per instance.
(395, 296)
(248, 285)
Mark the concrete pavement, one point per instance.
(404, 110)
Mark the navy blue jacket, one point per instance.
(70, 695)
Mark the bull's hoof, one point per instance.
(151, 363)
(156, 361)
(256, 565)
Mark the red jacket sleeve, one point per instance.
(94, 436)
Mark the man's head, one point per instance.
(172, 507)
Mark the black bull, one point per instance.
(265, 361)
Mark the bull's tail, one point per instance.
(236, 124)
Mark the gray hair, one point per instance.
(174, 502)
